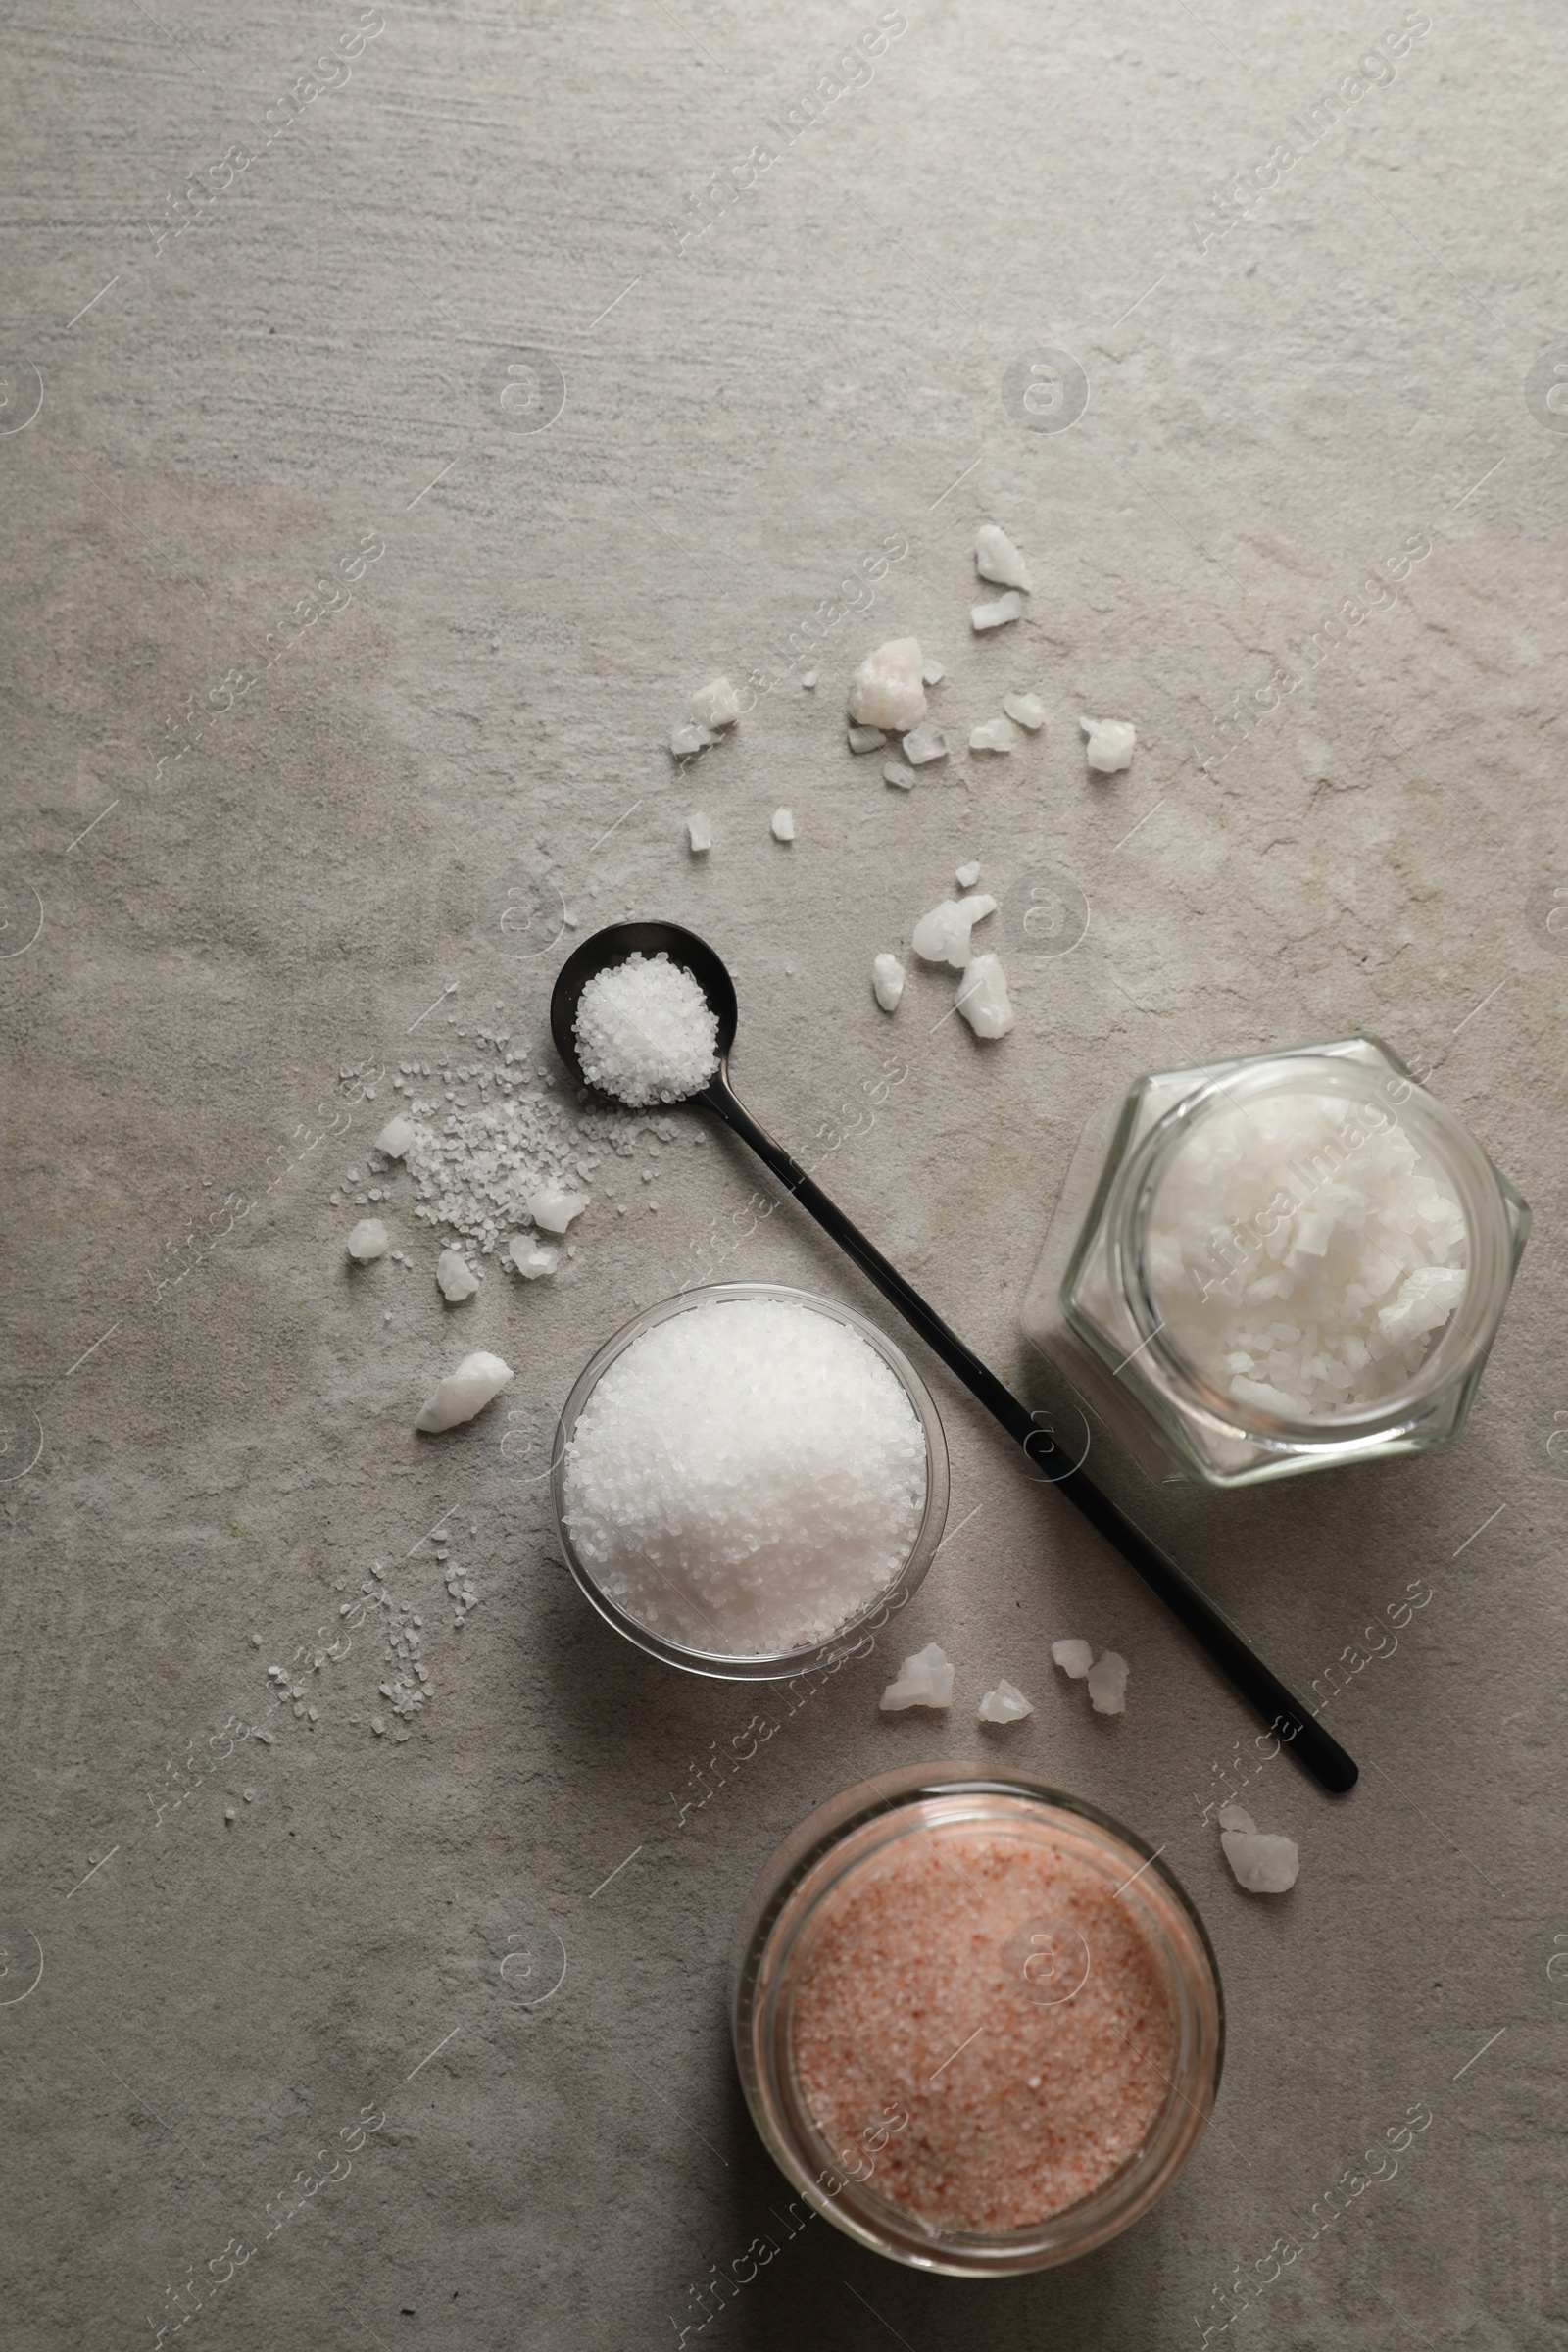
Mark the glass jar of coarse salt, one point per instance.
(978, 2023)
(1275, 1265)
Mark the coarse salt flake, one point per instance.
(997, 558)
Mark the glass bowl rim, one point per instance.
(779, 1665)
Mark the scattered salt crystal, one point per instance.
(369, 1238)
(1006, 1703)
(1234, 1817)
(997, 558)
(250, 1796)
(923, 1680)
(698, 836)
(552, 1209)
(895, 772)
(887, 690)
(1073, 1657)
(456, 1279)
(783, 824)
(686, 740)
(1107, 1684)
(395, 1136)
(932, 673)
(924, 744)
(866, 739)
(229, 1813)
(1264, 1864)
(1027, 708)
(715, 705)
(465, 1391)
(996, 735)
(943, 935)
(646, 1033)
(997, 614)
(808, 680)
(966, 876)
(1111, 746)
(745, 1477)
(983, 999)
(887, 979)
(379, 1726)
(533, 1257)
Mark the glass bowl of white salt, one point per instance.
(748, 1480)
(1278, 1264)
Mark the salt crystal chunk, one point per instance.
(686, 740)
(1233, 1817)
(1073, 1657)
(395, 1136)
(997, 558)
(895, 772)
(923, 1680)
(465, 1391)
(1426, 1299)
(1107, 1684)
(1263, 1864)
(925, 743)
(887, 979)
(866, 739)
(982, 997)
(997, 614)
(932, 673)
(783, 824)
(716, 705)
(808, 680)
(943, 935)
(698, 836)
(1027, 708)
(1111, 746)
(552, 1209)
(455, 1278)
(369, 1238)
(887, 690)
(996, 735)
(1006, 1703)
(968, 875)
(533, 1257)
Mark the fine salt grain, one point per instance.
(1006, 1703)
(746, 1477)
(646, 1033)
(465, 1391)
(923, 1680)
(887, 979)
(369, 1238)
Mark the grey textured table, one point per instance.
(389, 446)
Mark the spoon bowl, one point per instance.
(617, 945)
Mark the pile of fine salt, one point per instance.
(746, 1477)
(646, 1032)
(1303, 1253)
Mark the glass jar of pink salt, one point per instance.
(978, 2023)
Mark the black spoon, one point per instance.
(1310, 1744)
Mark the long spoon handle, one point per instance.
(1322, 1756)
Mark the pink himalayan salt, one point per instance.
(1047, 2101)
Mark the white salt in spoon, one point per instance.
(1312, 1745)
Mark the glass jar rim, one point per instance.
(1458, 1348)
(798, 1879)
(846, 1641)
